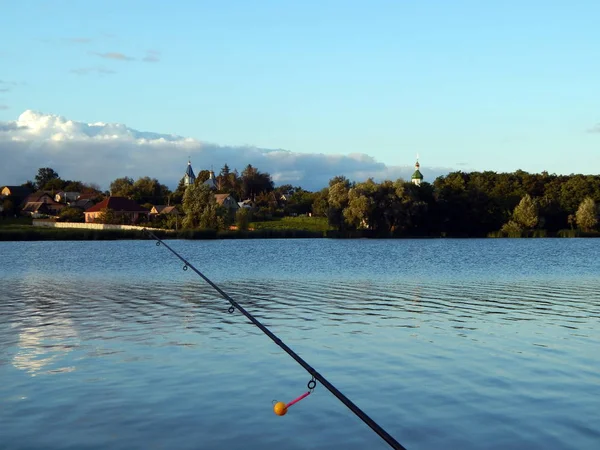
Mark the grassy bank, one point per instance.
(546, 234)
(20, 232)
(285, 228)
(300, 223)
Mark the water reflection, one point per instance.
(44, 345)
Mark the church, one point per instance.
(225, 200)
(417, 176)
(189, 178)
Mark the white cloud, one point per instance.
(100, 152)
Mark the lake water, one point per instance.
(470, 344)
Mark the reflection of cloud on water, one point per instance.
(43, 345)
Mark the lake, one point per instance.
(470, 344)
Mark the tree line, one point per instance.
(466, 204)
(456, 204)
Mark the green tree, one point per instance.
(149, 190)
(212, 217)
(254, 182)
(122, 187)
(526, 212)
(73, 186)
(176, 198)
(44, 175)
(202, 176)
(242, 218)
(200, 207)
(69, 214)
(224, 179)
(587, 214)
(320, 203)
(363, 203)
(107, 216)
(299, 201)
(338, 201)
(55, 184)
(512, 229)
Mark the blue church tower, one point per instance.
(189, 176)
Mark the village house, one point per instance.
(164, 209)
(40, 204)
(37, 210)
(227, 201)
(122, 208)
(66, 197)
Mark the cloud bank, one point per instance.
(100, 152)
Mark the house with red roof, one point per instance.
(121, 207)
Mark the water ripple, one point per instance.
(129, 351)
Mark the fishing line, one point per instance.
(315, 375)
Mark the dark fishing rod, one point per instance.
(316, 375)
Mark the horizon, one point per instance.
(304, 92)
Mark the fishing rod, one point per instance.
(280, 407)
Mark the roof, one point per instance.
(33, 206)
(211, 183)
(165, 209)
(159, 208)
(170, 210)
(88, 196)
(82, 203)
(37, 195)
(189, 171)
(121, 204)
(220, 198)
(17, 191)
(417, 175)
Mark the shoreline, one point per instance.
(33, 233)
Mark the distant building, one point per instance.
(40, 209)
(211, 183)
(417, 177)
(189, 178)
(66, 197)
(227, 201)
(164, 209)
(31, 205)
(121, 207)
(246, 204)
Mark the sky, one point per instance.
(305, 90)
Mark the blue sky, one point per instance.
(469, 85)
